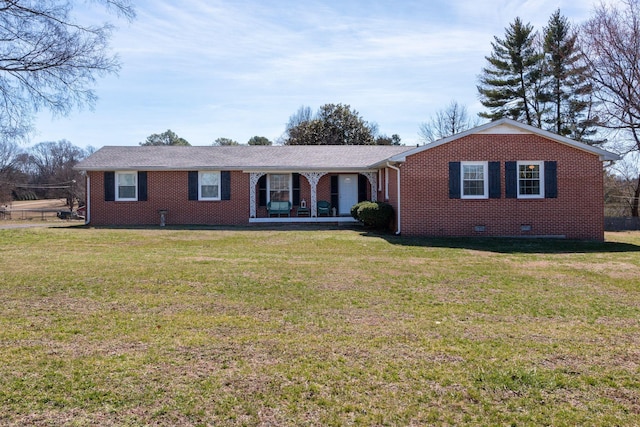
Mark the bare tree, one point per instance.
(304, 114)
(446, 122)
(53, 176)
(49, 60)
(299, 126)
(11, 157)
(611, 49)
(622, 187)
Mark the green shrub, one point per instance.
(374, 214)
(354, 209)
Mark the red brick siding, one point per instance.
(305, 191)
(169, 190)
(393, 193)
(323, 190)
(577, 212)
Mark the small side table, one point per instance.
(303, 211)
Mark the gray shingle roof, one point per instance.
(292, 158)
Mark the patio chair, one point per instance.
(324, 208)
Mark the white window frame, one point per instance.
(538, 163)
(269, 186)
(485, 179)
(200, 180)
(118, 175)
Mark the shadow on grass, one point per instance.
(491, 244)
(509, 245)
(252, 227)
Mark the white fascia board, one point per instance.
(501, 126)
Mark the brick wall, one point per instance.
(576, 213)
(168, 190)
(392, 198)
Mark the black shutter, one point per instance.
(193, 185)
(225, 188)
(334, 191)
(109, 186)
(296, 188)
(494, 180)
(142, 186)
(511, 180)
(454, 180)
(262, 191)
(362, 188)
(550, 180)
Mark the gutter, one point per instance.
(399, 204)
(87, 218)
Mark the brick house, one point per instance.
(499, 179)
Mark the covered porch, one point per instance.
(304, 220)
(305, 191)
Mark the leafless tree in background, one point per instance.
(611, 48)
(11, 157)
(52, 174)
(449, 121)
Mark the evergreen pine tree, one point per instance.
(568, 90)
(510, 84)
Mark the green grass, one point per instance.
(315, 327)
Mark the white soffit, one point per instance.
(504, 129)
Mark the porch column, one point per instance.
(373, 180)
(253, 181)
(313, 178)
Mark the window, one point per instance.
(209, 185)
(126, 186)
(530, 180)
(475, 184)
(279, 187)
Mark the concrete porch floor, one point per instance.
(303, 220)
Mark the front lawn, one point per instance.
(315, 327)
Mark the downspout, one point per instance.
(399, 204)
(87, 218)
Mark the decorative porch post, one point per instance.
(253, 181)
(373, 180)
(313, 178)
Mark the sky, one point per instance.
(236, 69)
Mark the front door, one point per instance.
(347, 193)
